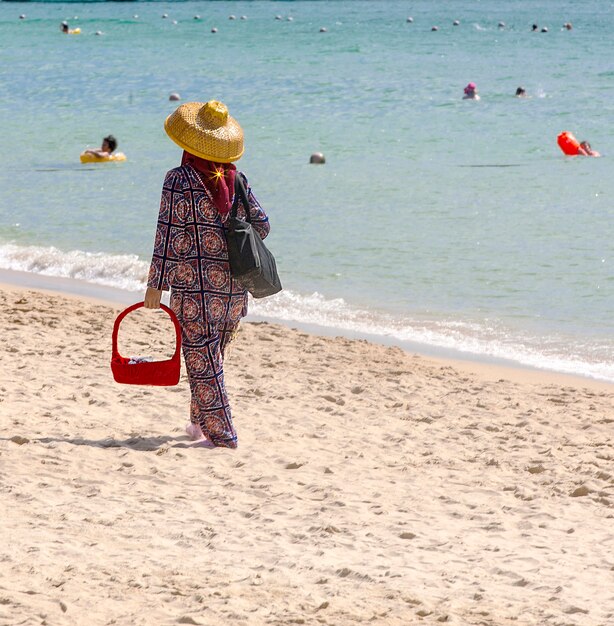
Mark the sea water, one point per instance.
(435, 220)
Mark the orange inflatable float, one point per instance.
(568, 143)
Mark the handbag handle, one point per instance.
(240, 195)
(138, 305)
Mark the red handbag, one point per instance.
(131, 372)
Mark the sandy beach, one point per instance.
(370, 486)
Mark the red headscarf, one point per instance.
(218, 178)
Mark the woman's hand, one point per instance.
(152, 298)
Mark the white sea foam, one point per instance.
(124, 271)
(471, 338)
(481, 339)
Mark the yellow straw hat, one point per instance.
(206, 130)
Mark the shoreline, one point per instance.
(491, 368)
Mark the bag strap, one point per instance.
(240, 196)
(138, 305)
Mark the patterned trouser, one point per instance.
(203, 350)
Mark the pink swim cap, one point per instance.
(470, 87)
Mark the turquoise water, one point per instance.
(435, 220)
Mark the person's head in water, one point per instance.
(471, 92)
(521, 92)
(64, 27)
(586, 150)
(109, 144)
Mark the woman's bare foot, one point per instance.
(194, 432)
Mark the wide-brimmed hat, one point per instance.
(206, 130)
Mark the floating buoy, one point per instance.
(317, 157)
(290, 18)
(22, 16)
(214, 30)
(568, 143)
(501, 24)
(278, 17)
(323, 29)
(545, 29)
(435, 28)
(244, 17)
(98, 32)
(455, 23)
(164, 16)
(232, 17)
(136, 17)
(174, 96)
(197, 17)
(175, 22)
(410, 20)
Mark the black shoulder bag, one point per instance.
(251, 263)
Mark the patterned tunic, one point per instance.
(191, 258)
(190, 254)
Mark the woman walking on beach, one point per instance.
(190, 257)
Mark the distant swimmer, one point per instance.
(586, 150)
(105, 153)
(534, 28)
(572, 147)
(69, 31)
(471, 92)
(521, 92)
(567, 25)
(106, 149)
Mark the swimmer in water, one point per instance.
(106, 149)
(69, 31)
(586, 150)
(521, 92)
(471, 92)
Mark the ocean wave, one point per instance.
(478, 338)
(124, 271)
(469, 337)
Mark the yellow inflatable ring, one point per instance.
(74, 31)
(87, 157)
